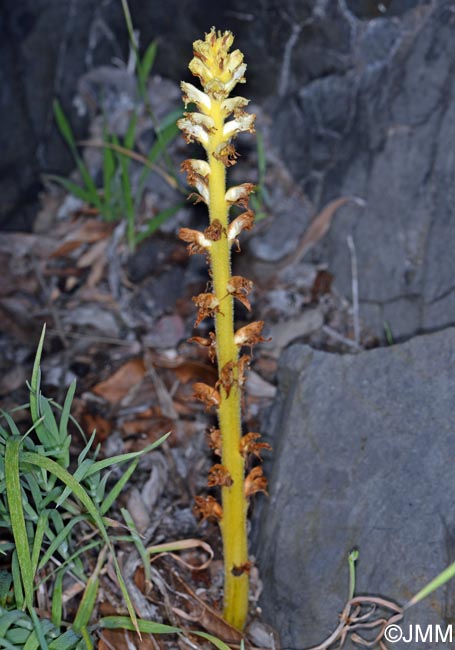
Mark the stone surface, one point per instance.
(382, 126)
(47, 45)
(363, 456)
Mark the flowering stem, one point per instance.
(233, 523)
(219, 71)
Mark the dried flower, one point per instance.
(239, 194)
(239, 287)
(209, 396)
(226, 153)
(191, 94)
(255, 482)
(214, 231)
(244, 221)
(242, 122)
(219, 475)
(243, 568)
(209, 343)
(250, 334)
(233, 104)
(207, 304)
(249, 445)
(208, 508)
(215, 441)
(197, 242)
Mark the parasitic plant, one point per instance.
(218, 119)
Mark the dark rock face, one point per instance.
(363, 456)
(48, 44)
(382, 126)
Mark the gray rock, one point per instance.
(363, 457)
(48, 44)
(383, 128)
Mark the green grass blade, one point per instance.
(145, 67)
(118, 487)
(147, 627)
(66, 641)
(35, 391)
(64, 125)
(352, 559)
(164, 138)
(139, 544)
(434, 584)
(57, 542)
(155, 222)
(216, 642)
(72, 188)
(13, 491)
(66, 411)
(17, 582)
(87, 604)
(38, 540)
(99, 465)
(130, 135)
(61, 473)
(57, 600)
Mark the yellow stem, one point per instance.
(234, 521)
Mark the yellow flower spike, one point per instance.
(219, 70)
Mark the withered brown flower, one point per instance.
(207, 395)
(219, 475)
(208, 508)
(207, 304)
(255, 482)
(250, 334)
(249, 445)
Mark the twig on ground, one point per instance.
(339, 337)
(355, 289)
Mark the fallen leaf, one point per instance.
(121, 382)
(96, 422)
(322, 285)
(318, 228)
(87, 231)
(283, 333)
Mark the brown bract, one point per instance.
(226, 153)
(250, 334)
(207, 395)
(244, 221)
(208, 508)
(209, 343)
(239, 287)
(215, 441)
(255, 482)
(214, 231)
(249, 445)
(240, 194)
(197, 243)
(207, 304)
(243, 568)
(219, 475)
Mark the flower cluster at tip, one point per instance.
(216, 122)
(218, 71)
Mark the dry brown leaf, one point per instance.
(121, 382)
(13, 379)
(123, 640)
(318, 228)
(191, 370)
(93, 254)
(208, 617)
(96, 422)
(87, 231)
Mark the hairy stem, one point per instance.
(233, 523)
